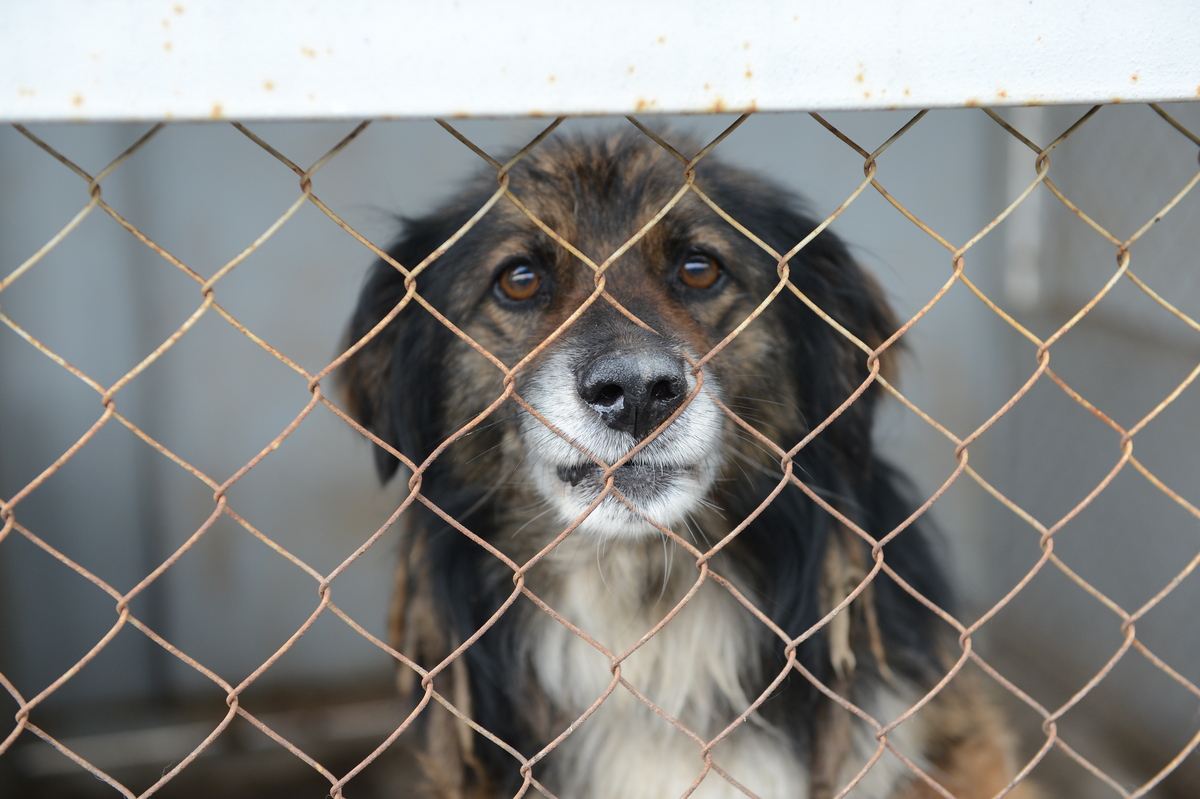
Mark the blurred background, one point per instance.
(103, 301)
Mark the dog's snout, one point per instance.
(633, 391)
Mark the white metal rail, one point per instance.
(66, 60)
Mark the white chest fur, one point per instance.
(693, 669)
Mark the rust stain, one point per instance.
(867, 95)
(77, 100)
(641, 105)
(25, 92)
(1002, 93)
(631, 70)
(178, 8)
(859, 77)
(1134, 78)
(1198, 91)
(308, 51)
(749, 74)
(907, 92)
(269, 85)
(328, 51)
(167, 46)
(552, 79)
(662, 39)
(718, 106)
(972, 103)
(708, 86)
(166, 23)
(217, 111)
(745, 45)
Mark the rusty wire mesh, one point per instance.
(958, 271)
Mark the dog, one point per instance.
(616, 441)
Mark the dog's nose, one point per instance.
(633, 391)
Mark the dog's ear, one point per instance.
(391, 385)
(829, 366)
(366, 378)
(832, 365)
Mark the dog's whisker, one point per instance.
(496, 418)
(738, 457)
(756, 444)
(495, 487)
(533, 519)
(666, 577)
(601, 544)
(696, 530)
(712, 506)
(756, 421)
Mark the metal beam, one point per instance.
(285, 59)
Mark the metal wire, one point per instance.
(959, 271)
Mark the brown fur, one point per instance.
(970, 746)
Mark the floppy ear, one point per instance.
(833, 365)
(367, 377)
(830, 366)
(390, 385)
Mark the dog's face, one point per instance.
(617, 365)
(622, 371)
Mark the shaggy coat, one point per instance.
(607, 383)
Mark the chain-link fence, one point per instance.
(1031, 287)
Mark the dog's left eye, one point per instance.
(519, 281)
(699, 272)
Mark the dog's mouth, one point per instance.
(635, 477)
(645, 493)
(577, 474)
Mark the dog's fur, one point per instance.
(518, 485)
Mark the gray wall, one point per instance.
(102, 300)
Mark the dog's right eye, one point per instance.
(518, 282)
(700, 272)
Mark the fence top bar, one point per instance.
(64, 60)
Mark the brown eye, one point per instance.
(699, 272)
(519, 282)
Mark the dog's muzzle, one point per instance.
(608, 397)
